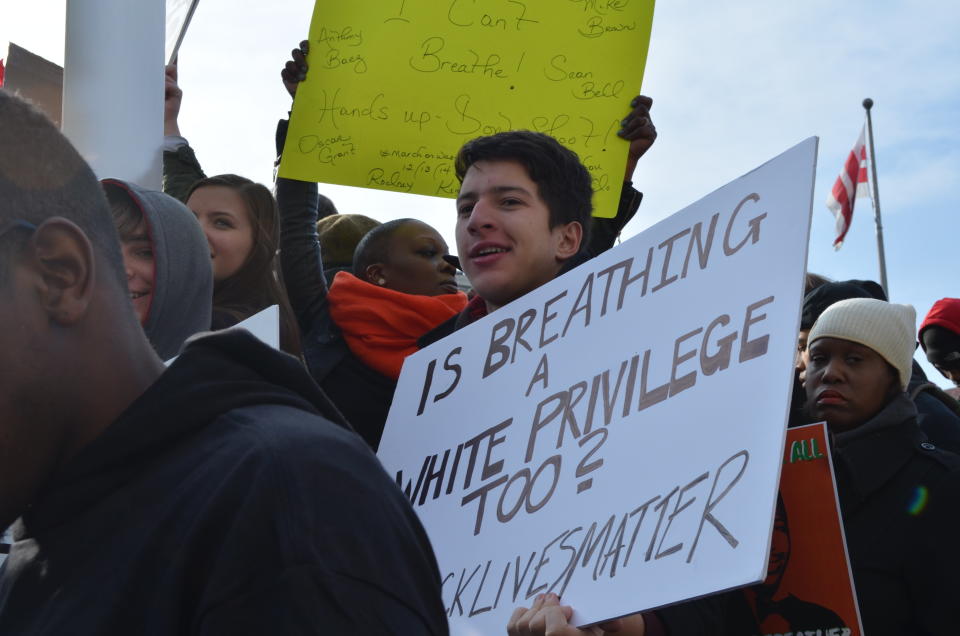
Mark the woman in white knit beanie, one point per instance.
(899, 494)
(863, 359)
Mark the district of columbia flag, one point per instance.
(851, 184)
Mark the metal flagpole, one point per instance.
(868, 104)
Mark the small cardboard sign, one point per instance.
(809, 586)
(397, 86)
(612, 436)
(36, 79)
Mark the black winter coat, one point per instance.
(224, 501)
(900, 502)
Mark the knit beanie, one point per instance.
(825, 295)
(886, 328)
(339, 235)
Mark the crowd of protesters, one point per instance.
(195, 498)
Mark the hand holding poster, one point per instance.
(396, 87)
(615, 436)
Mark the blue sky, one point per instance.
(733, 84)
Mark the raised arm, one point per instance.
(301, 206)
(180, 166)
(637, 128)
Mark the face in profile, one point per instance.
(504, 239)
(138, 263)
(415, 263)
(801, 360)
(226, 223)
(30, 442)
(941, 346)
(949, 367)
(847, 383)
(16, 431)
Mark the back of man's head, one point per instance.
(74, 356)
(563, 181)
(43, 176)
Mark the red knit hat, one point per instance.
(944, 313)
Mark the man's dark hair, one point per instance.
(374, 245)
(42, 176)
(563, 180)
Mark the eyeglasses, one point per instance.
(15, 224)
(7, 227)
(949, 361)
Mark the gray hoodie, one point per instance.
(182, 292)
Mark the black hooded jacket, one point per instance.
(224, 500)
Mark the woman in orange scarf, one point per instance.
(357, 334)
(404, 287)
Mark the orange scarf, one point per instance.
(381, 326)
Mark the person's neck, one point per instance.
(116, 376)
(899, 408)
(492, 307)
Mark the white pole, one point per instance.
(867, 105)
(113, 86)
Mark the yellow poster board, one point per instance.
(395, 87)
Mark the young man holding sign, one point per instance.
(523, 218)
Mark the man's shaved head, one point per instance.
(74, 354)
(43, 176)
(374, 246)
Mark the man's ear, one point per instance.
(373, 274)
(63, 258)
(569, 237)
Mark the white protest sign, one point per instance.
(265, 325)
(615, 436)
(179, 14)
